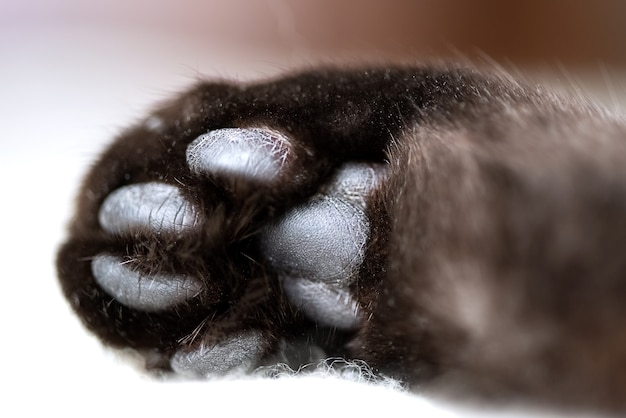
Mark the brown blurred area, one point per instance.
(570, 32)
(575, 32)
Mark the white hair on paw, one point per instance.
(353, 370)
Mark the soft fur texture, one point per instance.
(494, 264)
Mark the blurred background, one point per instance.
(73, 73)
(137, 51)
(575, 32)
(127, 54)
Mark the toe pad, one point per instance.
(157, 207)
(135, 290)
(257, 155)
(327, 304)
(239, 352)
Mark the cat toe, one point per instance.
(253, 154)
(145, 292)
(318, 247)
(150, 209)
(328, 304)
(240, 352)
(154, 206)
(355, 182)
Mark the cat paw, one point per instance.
(188, 264)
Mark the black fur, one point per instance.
(495, 264)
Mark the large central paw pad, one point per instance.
(315, 248)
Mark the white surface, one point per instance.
(65, 92)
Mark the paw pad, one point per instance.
(257, 155)
(329, 304)
(157, 207)
(238, 352)
(149, 293)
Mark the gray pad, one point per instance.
(241, 351)
(355, 182)
(136, 290)
(328, 304)
(253, 154)
(318, 247)
(323, 240)
(155, 206)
